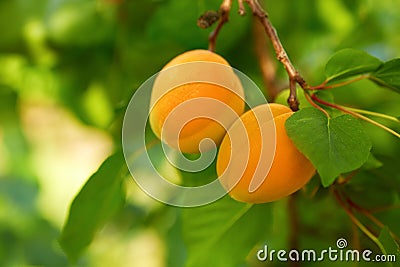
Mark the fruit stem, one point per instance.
(323, 85)
(355, 114)
(315, 105)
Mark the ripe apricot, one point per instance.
(276, 174)
(196, 96)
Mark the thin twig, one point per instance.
(294, 76)
(372, 113)
(224, 10)
(356, 237)
(355, 114)
(323, 86)
(370, 216)
(384, 208)
(345, 180)
(354, 219)
(308, 97)
(242, 10)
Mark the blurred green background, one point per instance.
(68, 69)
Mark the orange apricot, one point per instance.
(260, 175)
(196, 96)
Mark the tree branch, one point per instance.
(294, 76)
(242, 10)
(224, 10)
(294, 226)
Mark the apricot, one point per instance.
(265, 176)
(196, 96)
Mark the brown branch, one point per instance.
(354, 219)
(370, 216)
(242, 10)
(356, 237)
(384, 208)
(224, 10)
(266, 62)
(294, 76)
(294, 227)
(344, 180)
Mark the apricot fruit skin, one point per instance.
(165, 100)
(290, 169)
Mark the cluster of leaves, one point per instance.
(337, 145)
(227, 231)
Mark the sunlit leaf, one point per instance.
(99, 199)
(79, 23)
(334, 145)
(283, 95)
(343, 26)
(350, 62)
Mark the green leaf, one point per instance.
(390, 246)
(372, 163)
(99, 199)
(388, 75)
(374, 186)
(223, 233)
(334, 145)
(350, 62)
